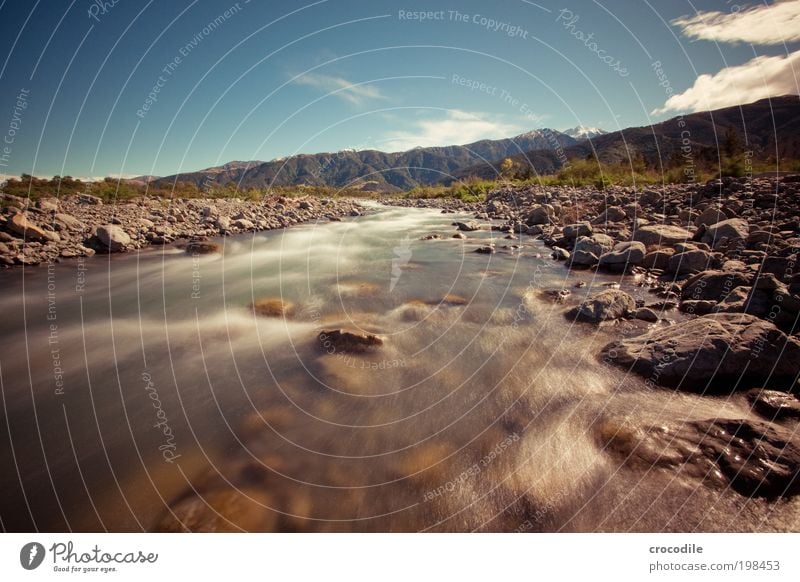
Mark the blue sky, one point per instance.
(260, 80)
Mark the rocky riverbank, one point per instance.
(55, 229)
(720, 260)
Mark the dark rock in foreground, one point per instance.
(752, 458)
(723, 350)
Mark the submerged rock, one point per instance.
(272, 307)
(349, 341)
(752, 458)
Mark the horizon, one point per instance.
(236, 81)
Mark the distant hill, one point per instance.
(371, 169)
(768, 128)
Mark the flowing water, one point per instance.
(139, 390)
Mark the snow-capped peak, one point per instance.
(584, 132)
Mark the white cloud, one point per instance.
(766, 24)
(342, 88)
(756, 79)
(458, 127)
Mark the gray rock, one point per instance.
(692, 261)
(575, 230)
(723, 350)
(623, 255)
(605, 305)
(113, 237)
(727, 234)
(661, 235)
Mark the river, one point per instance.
(139, 389)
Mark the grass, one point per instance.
(112, 190)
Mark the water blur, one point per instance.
(140, 392)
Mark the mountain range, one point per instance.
(769, 127)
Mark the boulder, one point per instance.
(661, 235)
(722, 350)
(710, 216)
(727, 234)
(610, 214)
(624, 254)
(581, 258)
(650, 198)
(68, 222)
(606, 305)
(540, 214)
(713, 285)
(572, 231)
(596, 244)
(692, 261)
(468, 226)
(774, 405)
(113, 237)
(19, 224)
(658, 259)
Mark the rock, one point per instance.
(658, 259)
(650, 198)
(48, 204)
(113, 237)
(698, 306)
(710, 216)
(713, 285)
(485, 250)
(243, 224)
(201, 247)
(582, 258)
(348, 341)
(610, 214)
(19, 224)
(223, 223)
(722, 350)
(606, 305)
(572, 231)
(661, 235)
(431, 237)
(596, 244)
(774, 405)
(752, 458)
(692, 261)
(89, 199)
(272, 307)
(540, 214)
(69, 222)
(560, 254)
(646, 314)
(460, 235)
(469, 226)
(624, 254)
(727, 234)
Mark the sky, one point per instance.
(92, 88)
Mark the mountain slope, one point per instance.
(371, 169)
(768, 128)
